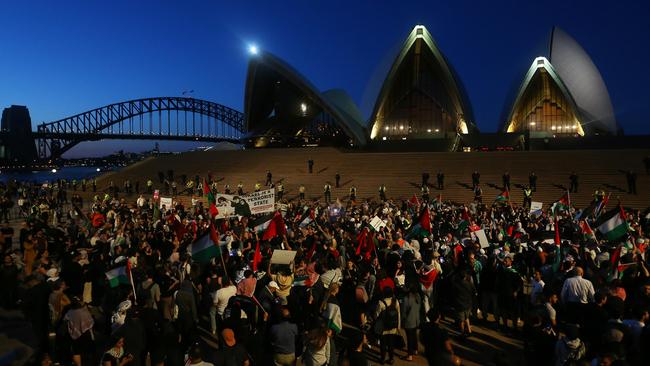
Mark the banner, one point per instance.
(167, 202)
(536, 208)
(254, 203)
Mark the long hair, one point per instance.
(333, 289)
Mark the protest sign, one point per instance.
(167, 202)
(536, 208)
(283, 256)
(482, 238)
(377, 223)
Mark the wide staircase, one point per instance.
(402, 172)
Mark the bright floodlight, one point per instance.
(303, 107)
(252, 49)
(98, 169)
(53, 170)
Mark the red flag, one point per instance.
(425, 219)
(257, 257)
(276, 227)
(557, 233)
(206, 188)
(177, 226)
(370, 247)
(362, 238)
(414, 200)
(213, 210)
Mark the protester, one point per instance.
(125, 267)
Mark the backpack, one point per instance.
(389, 316)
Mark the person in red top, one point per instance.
(385, 281)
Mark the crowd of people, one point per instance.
(121, 281)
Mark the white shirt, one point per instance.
(222, 296)
(537, 290)
(577, 289)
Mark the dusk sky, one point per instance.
(64, 57)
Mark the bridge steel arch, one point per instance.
(127, 120)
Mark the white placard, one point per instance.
(167, 201)
(482, 238)
(377, 223)
(536, 208)
(283, 256)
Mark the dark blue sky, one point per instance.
(64, 57)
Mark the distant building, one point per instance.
(16, 141)
(283, 108)
(422, 97)
(562, 94)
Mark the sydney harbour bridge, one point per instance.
(161, 118)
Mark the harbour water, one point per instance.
(43, 176)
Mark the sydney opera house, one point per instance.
(422, 101)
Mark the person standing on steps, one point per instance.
(353, 193)
(573, 178)
(310, 165)
(382, 192)
(269, 178)
(425, 193)
(532, 181)
(506, 181)
(301, 190)
(425, 179)
(280, 190)
(528, 197)
(337, 178)
(476, 179)
(327, 191)
(240, 188)
(441, 180)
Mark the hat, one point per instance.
(228, 337)
(273, 284)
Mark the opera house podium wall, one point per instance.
(401, 172)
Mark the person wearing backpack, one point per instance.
(387, 323)
(148, 293)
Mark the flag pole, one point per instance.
(128, 268)
(568, 195)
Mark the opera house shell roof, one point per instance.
(282, 104)
(562, 93)
(421, 97)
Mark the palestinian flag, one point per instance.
(177, 226)
(503, 197)
(261, 223)
(586, 230)
(602, 205)
(465, 222)
(308, 216)
(333, 315)
(206, 247)
(563, 204)
(118, 276)
(305, 280)
(206, 189)
(275, 228)
(613, 224)
(423, 226)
